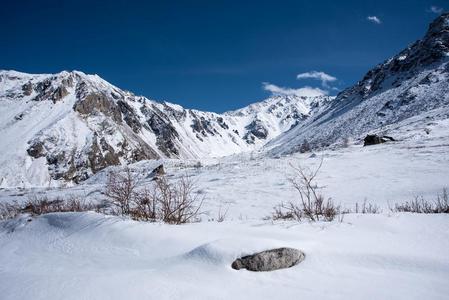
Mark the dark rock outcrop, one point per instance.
(59, 93)
(164, 130)
(270, 260)
(36, 149)
(48, 89)
(98, 103)
(130, 116)
(201, 125)
(373, 139)
(157, 172)
(101, 156)
(255, 130)
(27, 88)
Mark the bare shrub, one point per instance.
(222, 214)
(422, 206)
(42, 205)
(289, 211)
(311, 204)
(178, 201)
(144, 206)
(442, 202)
(9, 210)
(120, 190)
(161, 200)
(38, 205)
(367, 208)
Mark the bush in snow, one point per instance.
(311, 204)
(161, 200)
(120, 190)
(422, 206)
(174, 202)
(38, 205)
(305, 147)
(178, 203)
(9, 210)
(367, 208)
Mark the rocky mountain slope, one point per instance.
(414, 82)
(70, 125)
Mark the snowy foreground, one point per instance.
(90, 256)
(372, 256)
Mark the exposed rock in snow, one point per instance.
(373, 139)
(270, 260)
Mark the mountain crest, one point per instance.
(71, 125)
(412, 83)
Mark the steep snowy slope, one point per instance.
(414, 82)
(277, 114)
(71, 125)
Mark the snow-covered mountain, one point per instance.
(413, 83)
(71, 125)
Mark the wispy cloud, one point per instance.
(318, 75)
(435, 9)
(307, 91)
(304, 91)
(374, 19)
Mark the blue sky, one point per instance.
(211, 55)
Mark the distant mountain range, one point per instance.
(73, 125)
(70, 125)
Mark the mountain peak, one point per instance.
(437, 36)
(410, 84)
(440, 24)
(73, 125)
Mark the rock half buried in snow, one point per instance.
(372, 139)
(157, 172)
(270, 260)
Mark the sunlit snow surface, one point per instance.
(384, 256)
(90, 256)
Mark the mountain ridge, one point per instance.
(412, 82)
(70, 125)
(75, 124)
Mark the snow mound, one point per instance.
(90, 256)
(225, 251)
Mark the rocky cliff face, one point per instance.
(70, 125)
(413, 82)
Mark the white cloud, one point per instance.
(374, 19)
(321, 76)
(435, 9)
(304, 91)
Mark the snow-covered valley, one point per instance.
(382, 143)
(388, 255)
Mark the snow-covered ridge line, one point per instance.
(70, 125)
(411, 83)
